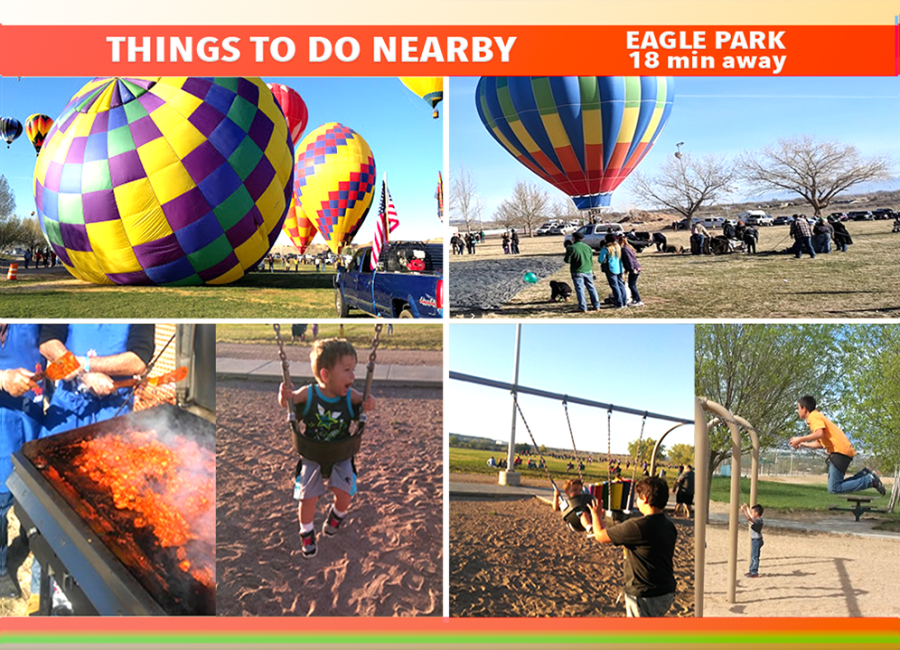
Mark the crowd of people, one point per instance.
(462, 244)
(618, 261)
(42, 257)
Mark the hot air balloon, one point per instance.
(431, 89)
(172, 181)
(334, 182)
(37, 127)
(583, 135)
(10, 129)
(294, 109)
(298, 227)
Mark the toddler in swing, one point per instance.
(327, 409)
(575, 511)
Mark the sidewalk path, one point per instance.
(385, 374)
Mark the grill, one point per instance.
(122, 512)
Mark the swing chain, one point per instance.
(533, 442)
(637, 455)
(285, 368)
(572, 436)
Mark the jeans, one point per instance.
(837, 484)
(580, 280)
(701, 242)
(755, 546)
(615, 283)
(804, 243)
(841, 245)
(822, 243)
(647, 607)
(632, 285)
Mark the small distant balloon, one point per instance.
(530, 278)
(431, 89)
(37, 127)
(10, 129)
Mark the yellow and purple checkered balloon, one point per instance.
(166, 180)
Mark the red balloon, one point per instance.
(294, 109)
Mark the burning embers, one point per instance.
(150, 497)
(166, 487)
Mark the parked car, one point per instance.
(884, 213)
(562, 229)
(408, 282)
(782, 221)
(861, 215)
(595, 233)
(544, 229)
(755, 218)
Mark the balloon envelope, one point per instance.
(10, 129)
(334, 182)
(294, 109)
(431, 89)
(298, 227)
(583, 135)
(37, 127)
(175, 181)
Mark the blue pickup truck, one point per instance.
(408, 283)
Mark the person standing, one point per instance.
(842, 237)
(754, 516)
(822, 233)
(610, 258)
(20, 422)
(106, 352)
(750, 237)
(825, 434)
(701, 235)
(650, 542)
(632, 267)
(580, 258)
(514, 242)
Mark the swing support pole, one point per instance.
(510, 476)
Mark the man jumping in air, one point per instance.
(825, 434)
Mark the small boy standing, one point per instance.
(754, 516)
(329, 407)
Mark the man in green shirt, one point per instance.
(581, 263)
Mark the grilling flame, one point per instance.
(167, 488)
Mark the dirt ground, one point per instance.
(516, 558)
(18, 557)
(804, 574)
(386, 560)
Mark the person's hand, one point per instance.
(16, 382)
(369, 404)
(795, 442)
(285, 394)
(98, 383)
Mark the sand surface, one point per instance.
(516, 558)
(804, 574)
(386, 559)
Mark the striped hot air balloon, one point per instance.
(298, 227)
(294, 109)
(583, 135)
(334, 182)
(431, 89)
(37, 127)
(10, 129)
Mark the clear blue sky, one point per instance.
(641, 366)
(406, 141)
(711, 115)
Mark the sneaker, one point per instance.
(877, 484)
(639, 303)
(751, 575)
(332, 523)
(308, 542)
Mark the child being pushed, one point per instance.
(329, 406)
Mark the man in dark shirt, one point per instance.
(650, 543)
(580, 258)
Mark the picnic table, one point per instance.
(859, 509)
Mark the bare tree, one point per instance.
(564, 209)
(816, 170)
(506, 217)
(685, 184)
(528, 206)
(7, 198)
(465, 203)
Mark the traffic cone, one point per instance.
(13, 272)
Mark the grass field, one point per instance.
(474, 461)
(856, 284)
(53, 293)
(405, 337)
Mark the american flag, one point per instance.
(439, 195)
(387, 222)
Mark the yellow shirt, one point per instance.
(834, 439)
